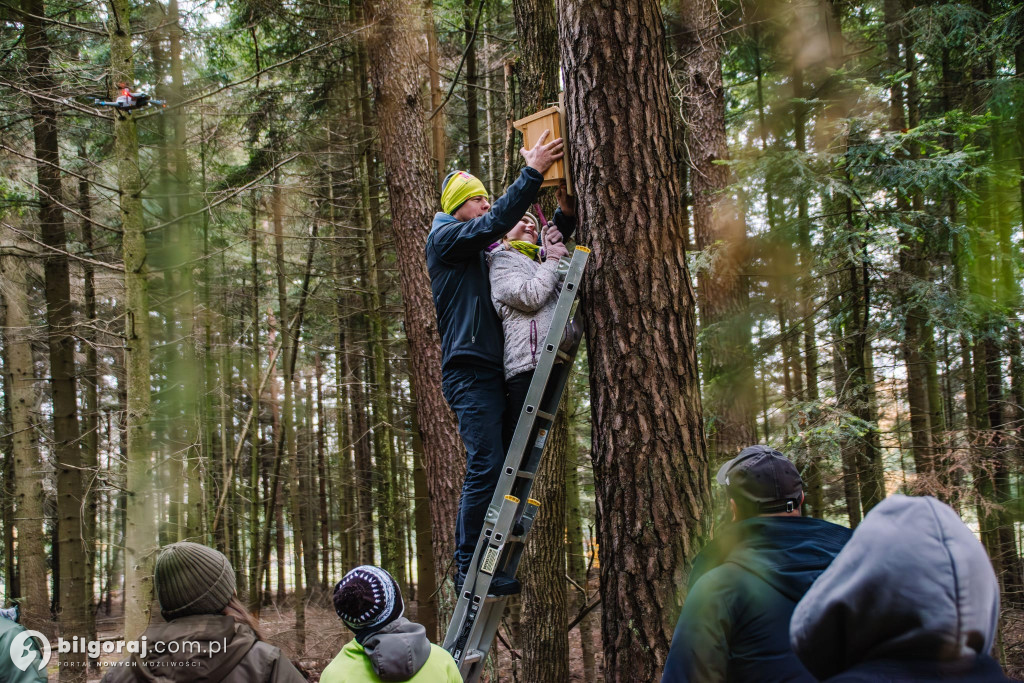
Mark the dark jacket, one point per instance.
(238, 656)
(911, 597)
(456, 260)
(9, 632)
(742, 591)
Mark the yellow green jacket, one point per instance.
(399, 652)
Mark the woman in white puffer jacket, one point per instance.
(524, 290)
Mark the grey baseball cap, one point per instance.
(764, 476)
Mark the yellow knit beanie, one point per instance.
(457, 188)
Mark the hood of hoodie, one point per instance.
(398, 650)
(788, 553)
(913, 583)
(441, 218)
(231, 641)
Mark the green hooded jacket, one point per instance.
(9, 631)
(398, 652)
(238, 656)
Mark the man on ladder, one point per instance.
(472, 344)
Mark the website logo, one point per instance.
(22, 652)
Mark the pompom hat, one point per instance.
(367, 599)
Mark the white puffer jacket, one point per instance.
(524, 293)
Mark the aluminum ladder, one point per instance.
(511, 511)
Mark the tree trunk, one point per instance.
(140, 532)
(75, 596)
(288, 416)
(426, 574)
(398, 97)
(576, 553)
(90, 437)
(27, 471)
(437, 137)
(321, 476)
(719, 226)
(654, 508)
(256, 559)
(545, 644)
(808, 456)
(469, 14)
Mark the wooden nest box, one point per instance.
(533, 126)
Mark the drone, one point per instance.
(128, 100)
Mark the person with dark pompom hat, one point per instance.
(387, 646)
(208, 634)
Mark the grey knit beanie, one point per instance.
(193, 579)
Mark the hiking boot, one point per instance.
(502, 586)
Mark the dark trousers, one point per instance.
(516, 387)
(477, 395)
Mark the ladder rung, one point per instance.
(522, 474)
(562, 355)
(472, 656)
(546, 416)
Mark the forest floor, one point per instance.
(326, 635)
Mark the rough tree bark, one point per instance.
(651, 471)
(718, 225)
(74, 595)
(410, 180)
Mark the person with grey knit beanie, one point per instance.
(387, 646)
(209, 635)
(192, 578)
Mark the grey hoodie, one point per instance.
(398, 650)
(524, 293)
(913, 585)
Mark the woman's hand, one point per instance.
(554, 250)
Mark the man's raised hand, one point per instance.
(543, 155)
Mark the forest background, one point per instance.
(805, 219)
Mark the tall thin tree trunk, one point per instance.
(575, 551)
(412, 193)
(469, 13)
(545, 643)
(75, 596)
(437, 136)
(426, 581)
(27, 491)
(91, 436)
(288, 415)
(719, 225)
(140, 532)
(808, 456)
